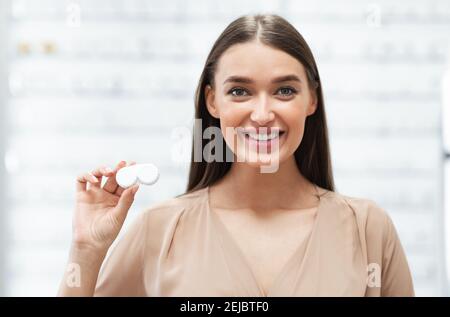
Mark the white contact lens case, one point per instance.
(146, 174)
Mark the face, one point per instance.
(262, 98)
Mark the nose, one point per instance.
(262, 113)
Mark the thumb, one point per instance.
(125, 201)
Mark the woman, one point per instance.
(239, 230)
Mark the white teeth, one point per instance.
(261, 136)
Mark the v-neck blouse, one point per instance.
(304, 220)
(180, 247)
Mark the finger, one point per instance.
(99, 173)
(111, 183)
(83, 179)
(125, 202)
(119, 189)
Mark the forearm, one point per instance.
(81, 273)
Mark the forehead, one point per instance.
(257, 61)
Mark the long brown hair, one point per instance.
(313, 154)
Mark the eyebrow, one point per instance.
(246, 80)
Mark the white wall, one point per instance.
(3, 121)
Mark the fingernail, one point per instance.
(108, 170)
(135, 189)
(93, 178)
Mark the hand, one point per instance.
(100, 211)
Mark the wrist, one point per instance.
(82, 270)
(85, 251)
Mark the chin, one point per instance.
(268, 162)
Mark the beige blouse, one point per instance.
(179, 247)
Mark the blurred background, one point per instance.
(86, 83)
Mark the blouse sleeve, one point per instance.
(122, 271)
(396, 277)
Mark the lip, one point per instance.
(261, 145)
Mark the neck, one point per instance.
(245, 186)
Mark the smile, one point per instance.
(262, 138)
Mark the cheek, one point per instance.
(295, 122)
(295, 137)
(231, 116)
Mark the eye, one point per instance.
(237, 92)
(287, 91)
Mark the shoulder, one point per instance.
(173, 207)
(367, 208)
(370, 217)
(381, 246)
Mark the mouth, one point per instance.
(262, 138)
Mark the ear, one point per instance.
(210, 104)
(312, 107)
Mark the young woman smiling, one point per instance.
(237, 231)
